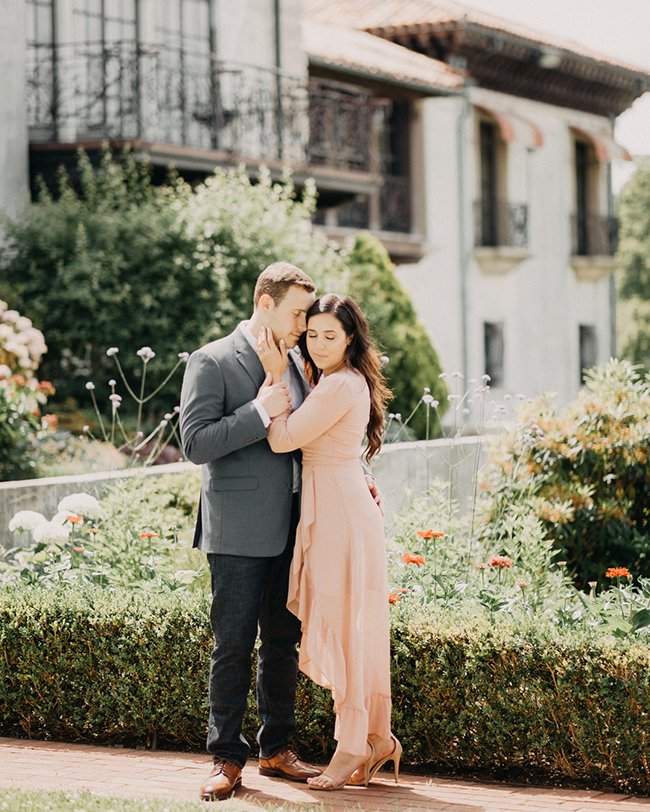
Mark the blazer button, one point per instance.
(291, 485)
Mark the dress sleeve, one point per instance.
(322, 408)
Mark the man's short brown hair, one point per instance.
(278, 278)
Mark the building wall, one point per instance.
(13, 119)
(541, 303)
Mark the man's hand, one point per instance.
(374, 491)
(274, 397)
(274, 359)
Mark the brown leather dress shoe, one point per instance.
(287, 764)
(222, 781)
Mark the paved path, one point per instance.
(143, 773)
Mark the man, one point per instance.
(247, 521)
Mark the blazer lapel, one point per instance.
(247, 357)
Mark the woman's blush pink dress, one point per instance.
(338, 585)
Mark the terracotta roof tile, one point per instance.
(359, 52)
(395, 14)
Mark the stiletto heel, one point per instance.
(371, 766)
(395, 757)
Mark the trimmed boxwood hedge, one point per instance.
(133, 668)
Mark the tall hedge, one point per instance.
(413, 363)
(116, 666)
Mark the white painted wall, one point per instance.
(541, 302)
(14, 175)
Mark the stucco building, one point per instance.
(477, 150)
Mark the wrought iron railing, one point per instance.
(500, 224)
(594, 235)
(164, 96)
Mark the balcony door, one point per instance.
(101, 73)
(186, 78)
(489, 183)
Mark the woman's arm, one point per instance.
(322, 408)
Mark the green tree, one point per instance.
(634, 251)
(413, 363)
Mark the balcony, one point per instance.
(500, 236)
(197, 112)
(594, 242)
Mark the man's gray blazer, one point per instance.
(246, 489)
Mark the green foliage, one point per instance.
(121, 666)
(634, 252)
(20, 427)
(413, 363)
(107, 265)
(140, 538)
(49, 800)
(584, 471)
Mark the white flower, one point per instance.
(86, 428)
(163, 423)
(184, 356)
(428, 399)
(112, 351)
(426, 390)
(168, 416)
(26, 520)
(384, 360)
(398, 416)
(90, 385)
(112, 382)
(457, 375)
(486, 378)
(11, 315)
(48, 531)
(177, 409)
(81, 504)
(5, 372)
(443, 375)
(23, 323)
(435, 404)
(116, 399)
(146, 353)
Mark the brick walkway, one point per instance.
(142, 773)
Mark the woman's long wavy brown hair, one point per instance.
(361, 355)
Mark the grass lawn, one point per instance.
(19, 800)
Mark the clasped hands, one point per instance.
(274, 393)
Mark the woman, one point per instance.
(338, 585)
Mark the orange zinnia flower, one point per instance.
(148, 535)
(501, 561)
(481, 566)
(430, 534)
(618, 572)
(410, 558)
(78, 549)
(394, 598)
(75, 519)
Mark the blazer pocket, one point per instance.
(234, 483)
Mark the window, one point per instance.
(588, 349)
(497, 221)
(494, 351)
(489, 197)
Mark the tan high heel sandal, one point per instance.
(371, 766)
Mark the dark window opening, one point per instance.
(494, 352)
(588, 349)
(488, 149)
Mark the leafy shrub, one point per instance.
(21, 425)
(584, 471)
(413, 363)
(121, 263)
(113, 665)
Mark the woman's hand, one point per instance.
(274, 359)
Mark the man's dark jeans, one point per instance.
(245, 592)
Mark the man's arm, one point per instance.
(209, 434)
